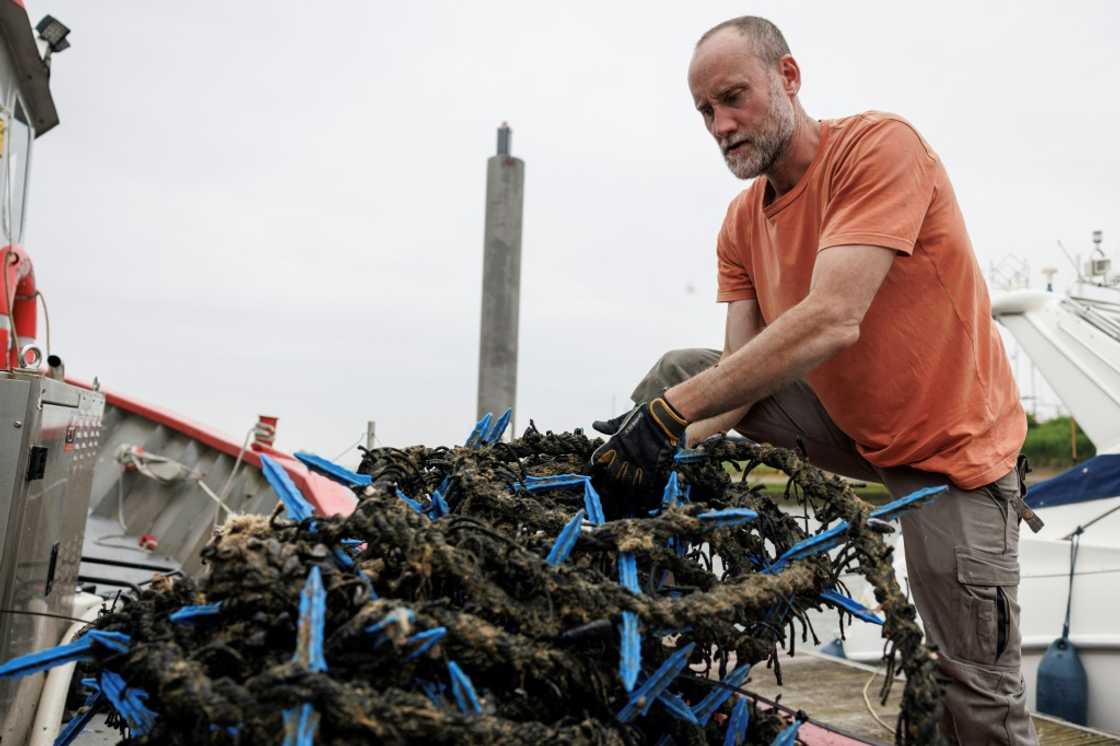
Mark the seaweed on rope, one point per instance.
(462, 602)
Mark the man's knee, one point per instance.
(672, 368)
(985, 705)
(680, 365)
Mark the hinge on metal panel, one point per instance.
(36, 463)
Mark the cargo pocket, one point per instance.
(986, 611)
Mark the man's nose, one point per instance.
(723, 124)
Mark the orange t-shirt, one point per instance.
(928, 384)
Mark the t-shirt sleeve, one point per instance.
(734, 280)
(880, 190)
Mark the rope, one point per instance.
(867, 701)
(120, 501)
(130, 458)
(46, 317)
(1106, 571)
(230, 512)
(775, 704)
(237, 464)
(44, 614)
(1087, 524)
(104, 542)
(351, 447)
(1075, 542)
(12, 343)
(224, 492)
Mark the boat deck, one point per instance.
(112, 562)
(831, 691)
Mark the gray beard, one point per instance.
(767, 145)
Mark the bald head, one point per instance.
(763, 37)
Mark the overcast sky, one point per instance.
(277, 207)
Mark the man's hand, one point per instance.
(611, 426)
(650, 432)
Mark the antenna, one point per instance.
(1072, 261)
(505, 135)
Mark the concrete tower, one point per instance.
(501, 280)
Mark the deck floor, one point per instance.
(108, 555)
(831, 691)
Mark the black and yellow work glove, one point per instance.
(645, 439)
(611, 426)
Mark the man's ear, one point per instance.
(790, 73)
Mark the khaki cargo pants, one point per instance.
(962, 556)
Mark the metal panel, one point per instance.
(45, 522)
(14, 396)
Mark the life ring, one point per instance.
(18, 312)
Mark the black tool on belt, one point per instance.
(1023, 467)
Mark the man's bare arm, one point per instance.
(845, 280)
(744, 322)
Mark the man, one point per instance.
(858, 329)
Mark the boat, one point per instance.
(152, 486)
(1074, 341)
(162, 483)
(99, 492)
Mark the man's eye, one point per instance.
(706, 111)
